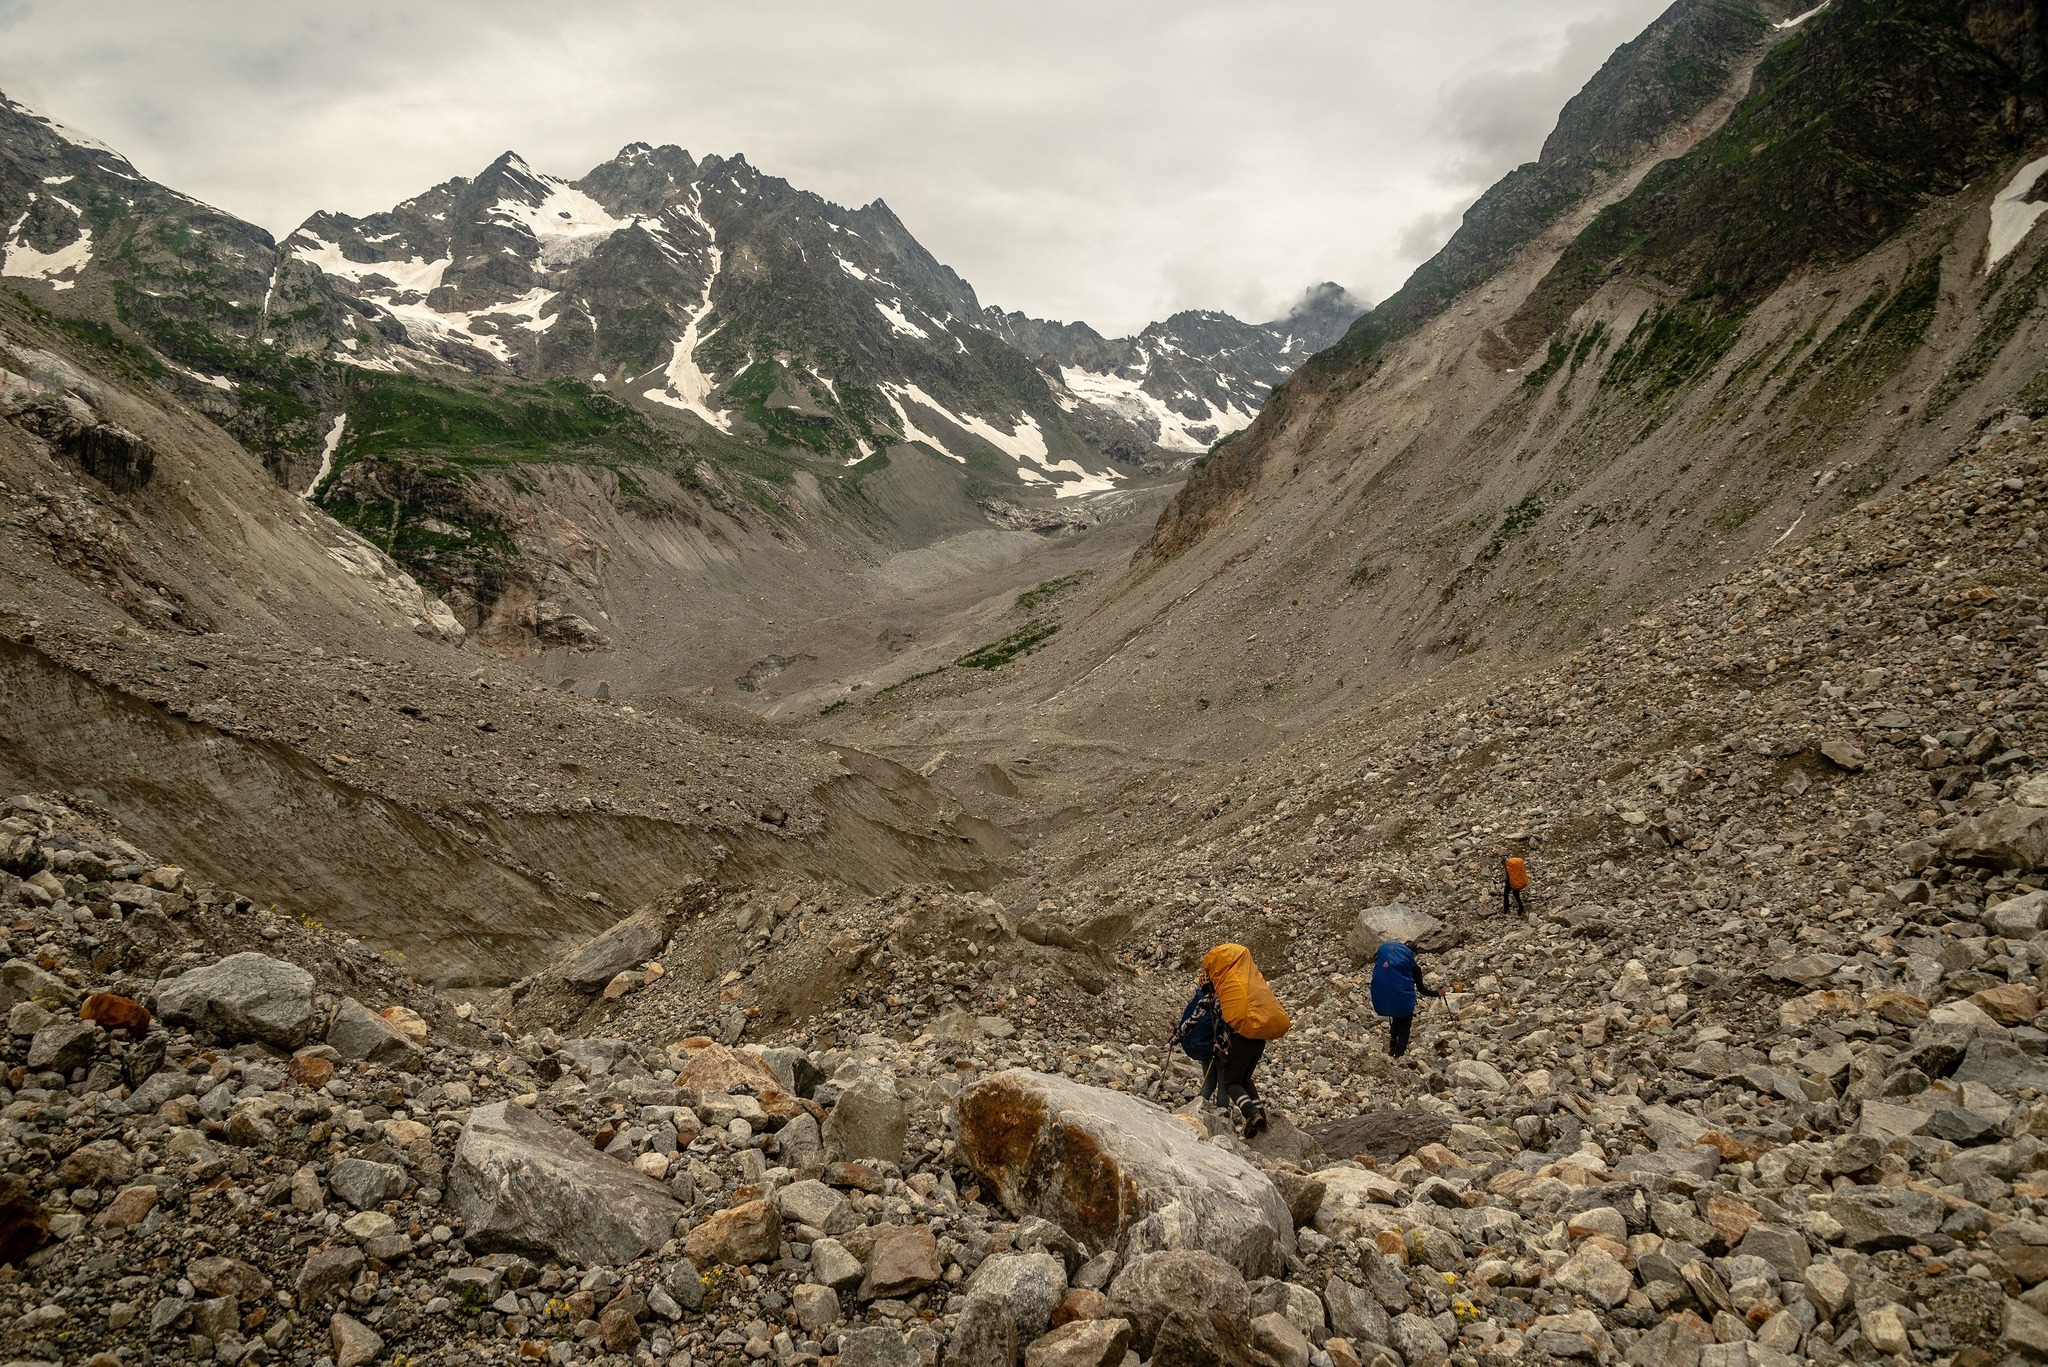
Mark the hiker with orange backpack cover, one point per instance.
(1250, 1015)
(1514, 882)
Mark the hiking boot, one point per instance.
(1254, 1119)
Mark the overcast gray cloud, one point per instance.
(1111, 162)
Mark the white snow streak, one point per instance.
(25, 262)
(903, 326)
(911, 431)
(1177, 431)
(1796, 20)
(70, 135)
(1024, 443)
(326, 456)
(689, 388)
(2012, 218)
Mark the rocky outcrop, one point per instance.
(1116, 1172)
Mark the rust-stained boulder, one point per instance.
(1119, 1173)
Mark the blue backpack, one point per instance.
(1201, 1025)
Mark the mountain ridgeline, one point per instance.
(704, 343)
(1773, 260)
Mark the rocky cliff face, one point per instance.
(1767, 303)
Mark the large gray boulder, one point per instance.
(1885, 1217)
(2007, 837)
(2003, 1065)
(1030, 1285)
(626, 945)
(245, 996)
(1157, 1286)
(1394, 921)
(1117, 1172)
(526, 1185)
(868, 1121)
(357, 1032)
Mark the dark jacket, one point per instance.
(1396, 980)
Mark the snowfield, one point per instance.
(566, 224)
(2012, 218)
(1176, 431)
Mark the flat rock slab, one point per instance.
(526, 1185)
(1386, 1136)
(1119, 1173)
(626, 945)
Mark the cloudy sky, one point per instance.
(1072, 158)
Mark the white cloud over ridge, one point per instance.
(1074, 160)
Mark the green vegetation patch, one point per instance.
(1670, 347)
(1025, 639)
(1032, 599)
(492, 425)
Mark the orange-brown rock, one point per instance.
(111, 1012)
(709, 1066)
(1731, 1218)
(310, 1071)
(2009, 1003)
(1110, 1168)
(747, 1233)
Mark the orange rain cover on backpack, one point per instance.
(1249, 1006)
(1518, 873)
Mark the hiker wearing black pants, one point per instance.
(1228, 1080)
(1396, 987)
(1514, 880)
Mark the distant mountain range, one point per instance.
(671, 283)
(717, 349)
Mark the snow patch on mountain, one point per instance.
(1176, 431)
(896, 393)
(567, 225)
(70, 135)
(2012, 217)
(23, 262)
(1796, 20)
(411, 276)
(689, 388)
(429, 324)
(1023, 442)
(327, 450)
(902, 325)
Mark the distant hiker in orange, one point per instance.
(1233, 1013)
(1514, 881)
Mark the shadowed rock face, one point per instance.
(1117, 1172)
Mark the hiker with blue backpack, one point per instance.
(1396, 986)
(1225, 1028)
